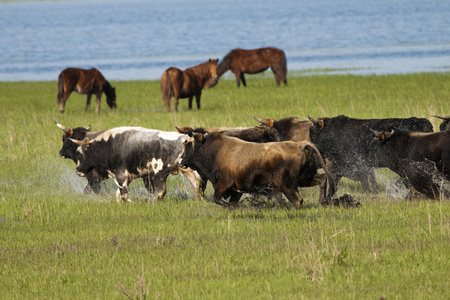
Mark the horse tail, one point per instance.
(60, 88)
(283, 64)
(166, 85)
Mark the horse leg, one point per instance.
(97, 107)
(238, 76)
(279, 76)
(88, 102)
(176, 92)
(62, 104)
(166, 103)
(197, 99)
(190, 102)
(243, 79)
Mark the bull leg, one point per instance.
(372, 180)
(160, 186)
(149, 184)
(293, 196)
(195, 180)
(321, 181)
(190, 102)
(234, 198)
(219, 190)
(88, 102)
(122, 191)
(243, 79)
(94, 180)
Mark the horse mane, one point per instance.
(224, 65)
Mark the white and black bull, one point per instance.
(69, 150)
(127, 153)
(235, 166)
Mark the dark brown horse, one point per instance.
(188, 83)
(86, 82)
(240, 61)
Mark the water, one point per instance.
(139, 39)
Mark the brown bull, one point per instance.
(235, 167)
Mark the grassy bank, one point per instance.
(56, 242)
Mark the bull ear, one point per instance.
(389, 134)
(199, 137)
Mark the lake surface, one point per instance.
(139, 39)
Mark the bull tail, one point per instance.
(60, 88)
(331, 185)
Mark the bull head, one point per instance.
(266, 122)
(318, 122)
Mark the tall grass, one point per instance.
(56, 242)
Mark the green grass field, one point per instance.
(58, 243)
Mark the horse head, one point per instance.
(110, 93)
(212, 81)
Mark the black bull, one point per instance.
(422, 159)
(344, 141)
(235, 166)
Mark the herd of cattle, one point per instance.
(277, 156)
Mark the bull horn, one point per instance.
(442, 118)
(262, 121)
(61, 127)
(266, 122)
(84, 142)
(315, 121)
(376, 133)
(89, 127)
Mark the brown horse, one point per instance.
(188, 83)
(240, 61)
(86, 82)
